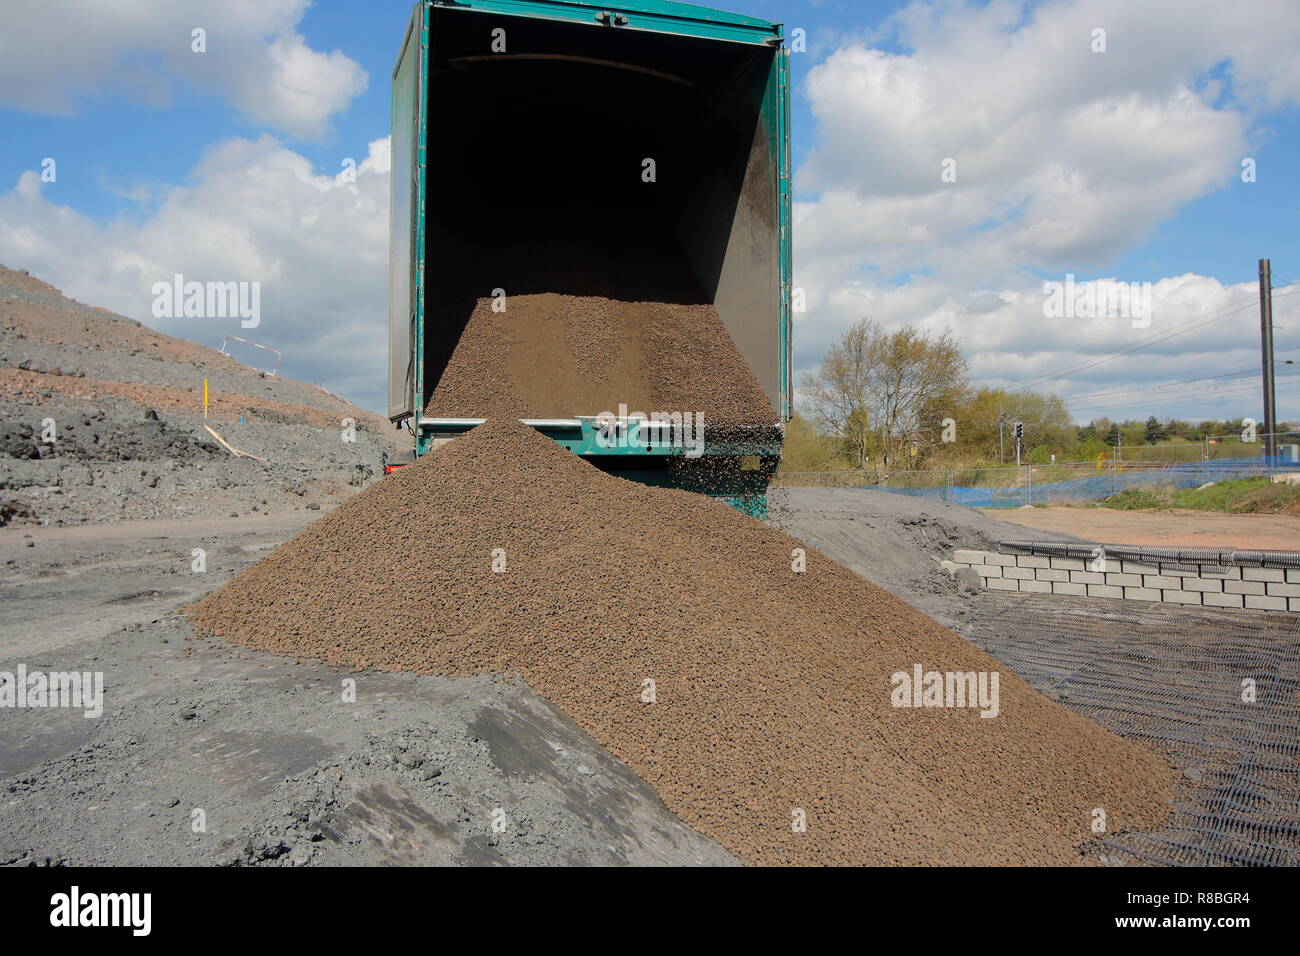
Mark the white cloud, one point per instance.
(56, 54)
(1065, 160)
(1009, 342)
(256, 211)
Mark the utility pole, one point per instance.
(1266, 345)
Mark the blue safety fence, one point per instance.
(1019, 487)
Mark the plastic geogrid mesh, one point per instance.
(1229, 557)
(1173, 676)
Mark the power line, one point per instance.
(1150, 340)
(1151, 388)
(1140, 344)
(1230, 391)
(1250, 372)
(1244, 375)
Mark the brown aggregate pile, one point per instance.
(772, 688)
(558, 356)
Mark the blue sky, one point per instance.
(1120, 165)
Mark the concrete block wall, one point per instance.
(1184, 582)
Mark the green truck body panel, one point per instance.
(658, 16)
(713, 89)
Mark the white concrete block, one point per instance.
(1180, 597)
(1036, 587)
(1202, 584)
(1065, 587)
(1141, 594)
(1105, 591)
(1262, 574)
(1087, 577)
(1261, 602)
(1244, 587)
(1223, 600)
(1160, 581)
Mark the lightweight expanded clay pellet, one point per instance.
(753, 686)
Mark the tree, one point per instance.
(883, 392)
(838, 393)
(1046, 419)
(1114, 436)
(804, 449)
(1154, 433)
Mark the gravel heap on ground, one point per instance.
(558, 356)
(771, 689)
(126, 407)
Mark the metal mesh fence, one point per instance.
(1174, 677)
(1072, 482)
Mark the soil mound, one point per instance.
(770, 703)
(559, 356)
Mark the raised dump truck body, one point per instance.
(520, 130)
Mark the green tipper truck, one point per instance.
(510, 118)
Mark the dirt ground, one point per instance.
(896, 542)
(286, 773)
(266, 752)
(1175, 528)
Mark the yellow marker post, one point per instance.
(205, 398)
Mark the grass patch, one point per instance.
(1243, 496)
(1138, 499)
